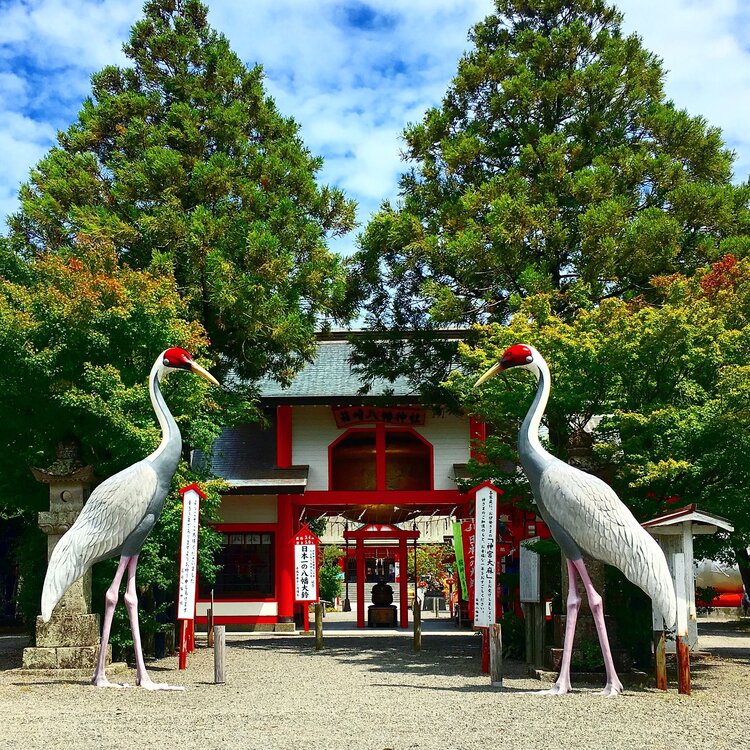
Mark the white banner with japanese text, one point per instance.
(188, 555)
(305, 572)
(485, 564)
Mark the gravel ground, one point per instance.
(371, 693)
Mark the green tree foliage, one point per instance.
(181, 208)
(82, 335)
(182, 155)
(434, 563)
(330, 574)
(671, 381)
(555, 165)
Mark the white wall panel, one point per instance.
(313, 430)
(449, 436)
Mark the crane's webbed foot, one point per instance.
(559, 688)
(612, 689)
(148, 684)
(101, 681)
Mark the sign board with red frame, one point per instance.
(306, 545)
(191, 498)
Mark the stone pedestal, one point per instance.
(70, 640)
(67, 641)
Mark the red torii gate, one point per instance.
(381, 531)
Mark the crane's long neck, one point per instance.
(528, 436)
(170, 446)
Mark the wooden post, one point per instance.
(496, 655)
(210, 627)
(683, 666)
(660, 658)
(683, 651)
(219, 653)
(318, 626)
(306, 616)
(485, 650)
(417, 617)
(183, 644)
(538, 634)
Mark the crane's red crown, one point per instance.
(176, 357)
(517, 355)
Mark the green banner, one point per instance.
(458, 546)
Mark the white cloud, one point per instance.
(351, 89)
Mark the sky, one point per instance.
(352, 74)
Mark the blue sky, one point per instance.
(351, 73)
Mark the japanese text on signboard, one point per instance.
(486, 535)
(400, 416)
(188, 555)
(305, 572)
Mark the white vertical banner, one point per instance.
(305, 572)
(188, 553)
(485, 563)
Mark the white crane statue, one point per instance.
(117, 518)
(583, 513)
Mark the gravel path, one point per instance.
(370, 693)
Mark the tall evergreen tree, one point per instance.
(554, 165)
(183, 154)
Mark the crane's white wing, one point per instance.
(112, 512)
(602, 526)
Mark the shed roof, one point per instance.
(689, 513)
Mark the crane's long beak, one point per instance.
(494, 370)
(198, 370)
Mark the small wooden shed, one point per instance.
(675, 531)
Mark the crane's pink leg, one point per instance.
(110, 602)
(131, 604)
(573, 604)
(613, 686)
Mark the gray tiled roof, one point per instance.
(330, 375)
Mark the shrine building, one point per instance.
(381, 467)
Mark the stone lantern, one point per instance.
(70, 640)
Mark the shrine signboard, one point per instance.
(306, 545)
(399, 416)
(191, 498)
(486, 555)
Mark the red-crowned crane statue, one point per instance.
(584, 515)
(117, 518)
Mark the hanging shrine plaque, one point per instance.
(306, 566)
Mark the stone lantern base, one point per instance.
(67, 641)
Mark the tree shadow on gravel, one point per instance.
(448, 656)
(440, 655)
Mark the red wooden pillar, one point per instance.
(285, 559)
(360, 552)
(404, 585)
